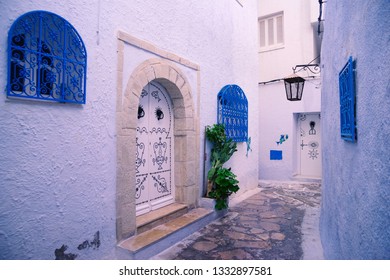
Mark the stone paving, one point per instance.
(266, 225)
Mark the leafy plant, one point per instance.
(225, 184)
(222, 181)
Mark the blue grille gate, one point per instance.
(47, 59)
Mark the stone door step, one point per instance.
(157, 239)
(157, 217)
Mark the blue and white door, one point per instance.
(309, 126)
(154, 141)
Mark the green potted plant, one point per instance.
(222, 181)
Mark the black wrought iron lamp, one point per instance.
(294, 84)
(294, 87)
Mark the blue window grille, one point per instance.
(347, 102)
(233, 112)
(47, 59)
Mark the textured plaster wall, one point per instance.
(58, 161)
(355, 220)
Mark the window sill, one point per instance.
(268, 49)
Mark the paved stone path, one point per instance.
(267, 225)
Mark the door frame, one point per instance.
(297, 147)
(186, 132)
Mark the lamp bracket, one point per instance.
(313, 68)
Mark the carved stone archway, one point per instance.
(186, 165)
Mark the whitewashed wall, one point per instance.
(276, 114)
(58, 161)
(277, 117)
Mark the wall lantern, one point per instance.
(294, 84)
(294, 87)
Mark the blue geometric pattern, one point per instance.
(233, 112)
(47, 59)
(347, 102)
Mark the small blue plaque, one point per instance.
(275, 155)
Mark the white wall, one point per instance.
(276, 114)
(298, 37)
(277, 118)
(58, 161)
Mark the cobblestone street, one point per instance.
(278, 222)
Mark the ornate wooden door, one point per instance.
(310, 145)
(154, 141)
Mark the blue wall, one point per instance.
(355, 219)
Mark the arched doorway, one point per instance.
(184, 131)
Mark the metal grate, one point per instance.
(233, 112)
(47, 59)
(347, 102)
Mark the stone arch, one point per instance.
(171, 77)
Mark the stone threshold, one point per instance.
(154, 240)
(157, 217)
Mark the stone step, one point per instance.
(157, 239)
(157, 217)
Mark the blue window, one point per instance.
(47, 59)
(233, 112)
(347, 102)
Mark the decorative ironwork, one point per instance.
(141, 112)
(160, 149)
(159, 130)
(155, 95)
(233, 112)
(47, 59)
(314, 144)
(312, 130)
(159, 113)
(313, 68)
(144, 93)
(140, 155)
(140, 186)
(347, 102)
(313, 154)
(160, 184)
(154, 149)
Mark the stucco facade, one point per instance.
(355, 221)
(298, 45)
(67, 173)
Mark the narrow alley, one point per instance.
(278, 222)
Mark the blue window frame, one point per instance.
(47, 59)
(233, 112)
(347, 102)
